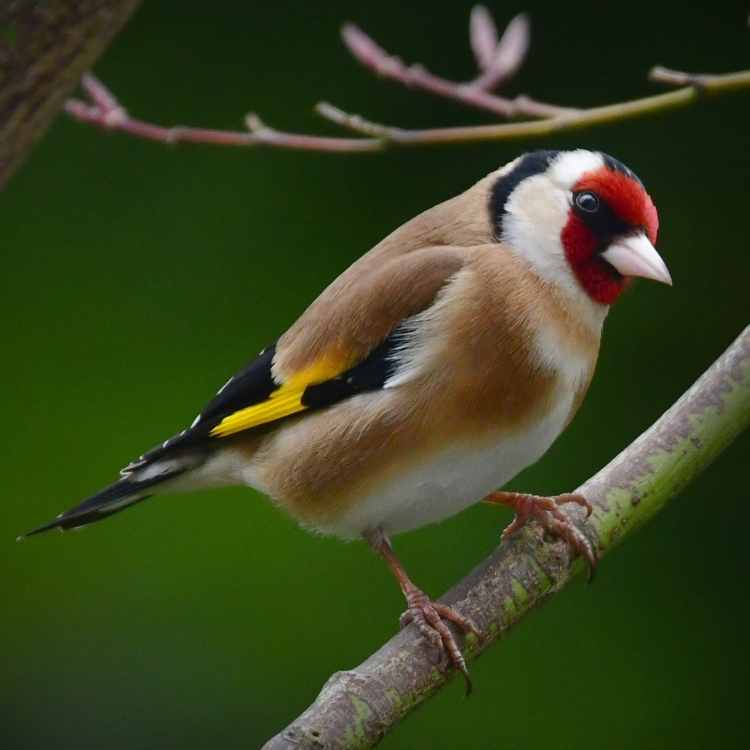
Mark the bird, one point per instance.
(429, 373)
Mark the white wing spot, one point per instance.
(226, 384)
(195, 421)
(158, 469)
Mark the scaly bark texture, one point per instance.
(357, 708)
(45, 47)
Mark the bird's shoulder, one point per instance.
(504, 341)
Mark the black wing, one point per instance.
(255, 384)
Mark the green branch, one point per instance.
(355, 709)
(694, 89)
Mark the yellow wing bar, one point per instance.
(284, 401)
(277, 405)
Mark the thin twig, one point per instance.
(357, 123)
(374, 57)
(497, 59)
(383, 136)
(356, 708)
(270, 137)
(105, 112)
(540, 128)
(702, 81)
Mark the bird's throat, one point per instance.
(599, 279)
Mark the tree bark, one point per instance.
(45, 47)
(355, 709)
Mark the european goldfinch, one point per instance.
(433, 370)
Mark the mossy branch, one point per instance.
(358, 707)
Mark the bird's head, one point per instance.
(581, 218)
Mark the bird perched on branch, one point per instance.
(432, 371)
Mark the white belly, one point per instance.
(451, 480)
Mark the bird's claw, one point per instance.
(548, 511)
(430, 618)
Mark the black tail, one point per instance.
(131, 489)
(109, 501)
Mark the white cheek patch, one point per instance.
(536, 213)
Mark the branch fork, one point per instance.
(498, 59)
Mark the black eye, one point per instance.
(588, 202)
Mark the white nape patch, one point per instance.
(453, 479)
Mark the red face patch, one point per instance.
(625, 196)
(630, 205)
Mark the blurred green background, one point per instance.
(136, 278)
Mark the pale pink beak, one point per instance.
(636, 256)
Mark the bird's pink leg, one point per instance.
(547, 510)
(429, 616)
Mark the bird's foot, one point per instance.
(548, 511)
(431, 618)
